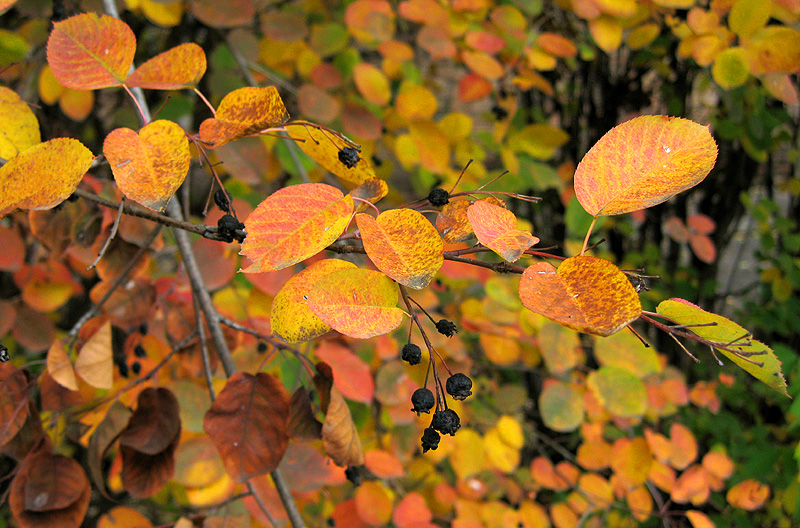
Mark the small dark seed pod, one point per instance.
(262, 347)
(349, 157)
(446, 421)
(411, 353)
(222, 200)
(353, 474)
(227, 226)
(136, 367)
(439, 197)
(446, 327)
(458, 386)
(422, 400)
(430, 439)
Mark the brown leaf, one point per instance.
(29, 436)
(13, 401)
(248, 424)
(143, 475)
(302, 423)
(46, 482)
(155, 424)
(109, 429)
(60, 367)
(339, 434)
(94, 363)
(55, 397)
(128, 306)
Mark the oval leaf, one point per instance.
(290, 316)
(403, 244)
(357, 303)
(54, 482)
(643, 162)
(95, 363)
(155, 424)
(324, 146)
(339, 434)
(19, 128)
(730, 339)
(562, 407)
(87, 52)
(620, 392)
(180, 67)
(248, 424)
(112, 425)
(244, 112)
(293, 224)
(149, 166)
(60, 367)
(496, 228)
(587, 294)
(13, 401)
(44, 175)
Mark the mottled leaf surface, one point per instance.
(323, 146)
(180, 67)
(19, 128)
(149, 166)
(244, 112)
(293, 224)
(643, 162)
(496, 228)
(403, 244)
(588, 294)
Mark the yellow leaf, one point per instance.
(499, 454)
(95, 363)
(730, 68)
(19, 128)
(244, 112)
(326, 148)
(606, 32)
(416, 102)
(748, 16)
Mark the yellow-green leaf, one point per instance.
(730, 339)
(561, 407)
(620, 392)
(643, 162)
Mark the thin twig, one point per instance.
(111, 236)
(198, 316)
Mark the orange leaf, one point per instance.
(749, 495)
(473, 87)
(290, 316)
(180, 67)
(411, 511)
(339, 434)
(372, 191)
(123, 517)
(87, 52)
(587, 294)
(149, 166)
(643, 162)
(496, 229)
(248, 424)
(44, 175)
(13, 401)
(718, 464)
(60, 367)
(630, 460)
(403, 244)
(293, 224)
(684, 446)
(453, 223)
(556, 45)
(699, 519)
(703, 247)
(95, 363)
(244, 112)
(640, 503)
(372, 84)
(374, 503)
(350, 374)
(324, 146)
(19, 124)
(384, 465)
(357, 302)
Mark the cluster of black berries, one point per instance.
(444, 421)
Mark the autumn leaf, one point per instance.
(13, 402)
(60, 367)
(142, 474)
(87, 52)
(339, 434)
(372, 191)
(643, 162)
(19, 128)
(155, 424)
(496, 228)
(587, 294)
(108, 430)
(619, 391)
(293, 224)
(180, 67)
(749, 495)
(44, 175)
(357, 302)
(561, 406)
(248, 424)
(243, 112)
(149, 166)
(95, 363)
(729, 339)
(328, 149)
(403, 244)
(351, 375)
(290, 316)
(453, 223)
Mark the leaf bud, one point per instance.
(411, 354)
(458, 386)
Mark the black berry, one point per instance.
(411, 353)
(423, 401)
(458, 386)
(439, 197)
(222, 200)
(262, 347)
(430, 439)
(143, 328)
(4, 354)
(446, 327)
(353, 474)
(123, 370)
(139, 351)
(136, 367)
(227, 227)
(446, 421)
(499, 112)
(349, 157)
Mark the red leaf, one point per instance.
(350, 374)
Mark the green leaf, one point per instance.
(733, 340)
